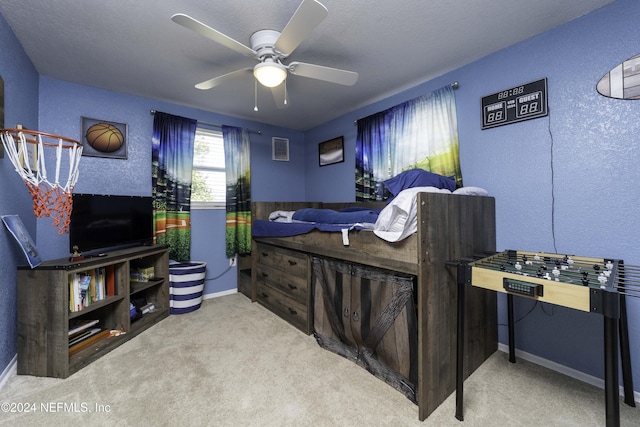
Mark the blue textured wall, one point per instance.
(588, 145)
(21, 107)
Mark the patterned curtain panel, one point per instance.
(172, 163)
(420, 133)
(372, 157)
(238, 168)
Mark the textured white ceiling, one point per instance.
(132, 46)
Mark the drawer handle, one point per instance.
(264, 295)
(346, 313)
(292, 311)
(264, 274)
(265, 254)
(356, 316)
(292, 263)
(292, 287)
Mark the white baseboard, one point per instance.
(565, 370)
(9, 371)
(220, 294)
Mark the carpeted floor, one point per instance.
(233, 363)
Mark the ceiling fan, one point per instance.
(271, 47)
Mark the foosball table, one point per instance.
(593, 285)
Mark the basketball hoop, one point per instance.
(29, 151)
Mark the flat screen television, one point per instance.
(101, 222)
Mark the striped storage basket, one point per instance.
(186, 281)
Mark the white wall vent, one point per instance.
(280, 149)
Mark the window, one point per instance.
(208, 189)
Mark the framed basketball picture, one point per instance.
(103, 138)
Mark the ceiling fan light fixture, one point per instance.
(270, 73)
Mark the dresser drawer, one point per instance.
(290, 262)
(284, 306)
(282, 284)
(295, 287)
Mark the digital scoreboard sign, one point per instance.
(524, 102)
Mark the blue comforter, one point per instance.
(261, 228)
(316, 219)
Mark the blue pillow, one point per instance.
(418, 178)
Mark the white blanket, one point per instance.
(281, 216)
(399, 218)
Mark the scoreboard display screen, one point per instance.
(524, 102)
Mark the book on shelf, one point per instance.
(79, 336)
(83, 335)
(148, 308)
(78, 325)
(88, 342)
(111, 280)
(142, 274)
(93, 290)
(90, 286)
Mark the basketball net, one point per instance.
(29, 150)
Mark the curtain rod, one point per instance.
(455, 85)
(215, 125)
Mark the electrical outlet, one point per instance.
(233, 261)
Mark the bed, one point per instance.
(417, 359)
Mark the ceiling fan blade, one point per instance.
(306, 18)
(215, 35)
(319, 72)
(211, 83)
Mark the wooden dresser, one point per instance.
(282, 278)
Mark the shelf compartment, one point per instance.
(137, 287)
(93, 352)
(147, 320)
(96, 306)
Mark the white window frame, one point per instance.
(220, 204)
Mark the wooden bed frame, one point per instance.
(450, 227)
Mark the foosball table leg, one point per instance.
(625, 357)
(511, 325)
(611, 386)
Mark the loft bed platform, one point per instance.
(449, 227)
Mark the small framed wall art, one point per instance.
(103, 138)
(331, 151)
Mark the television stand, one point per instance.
(48, 311)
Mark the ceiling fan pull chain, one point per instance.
(285, 92)
(255, 94)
